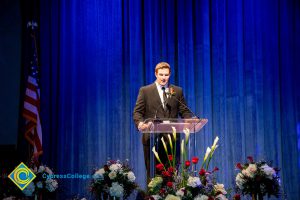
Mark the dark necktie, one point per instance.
(164, 97)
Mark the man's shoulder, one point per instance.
(175, 87)
(148, 87)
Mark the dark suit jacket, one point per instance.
(149, 104)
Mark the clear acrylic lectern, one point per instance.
(158, 126)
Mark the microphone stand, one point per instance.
(173, 95)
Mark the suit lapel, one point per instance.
(156, 97)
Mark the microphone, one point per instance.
(172, 94)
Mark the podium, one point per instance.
(164, 126)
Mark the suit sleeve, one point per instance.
(183, 110)
(139, 109)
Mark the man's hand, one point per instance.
(144, 126)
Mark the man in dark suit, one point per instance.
(154, 102)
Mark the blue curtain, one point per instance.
(237, 61)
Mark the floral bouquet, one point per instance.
(184, 182)
(257, 179)
(43, 184)
(115, 179)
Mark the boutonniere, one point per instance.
(172, 91)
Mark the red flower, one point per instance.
(159, 167)
(166, 173)
(171, 169)
(250, 158)
(187, 163)
(210, 198)
(195, 160)
(170, 157)
(169, 184)
(215, 169)
(162, 191)
(237, 197)
(239, 166)
(202, 172)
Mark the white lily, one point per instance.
(207, 153)
(174, 133)
(214, 146)
(187, 135)
(170, 141)
(156, 154)
(165, 146)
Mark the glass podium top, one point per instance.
(165, 125)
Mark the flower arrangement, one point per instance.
(184, 182)
(43, 184)
(257, 179)
(114, 179)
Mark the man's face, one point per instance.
(162, 76)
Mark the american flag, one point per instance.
(31, 110)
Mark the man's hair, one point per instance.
(162, 65)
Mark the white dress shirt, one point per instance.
(160, 92)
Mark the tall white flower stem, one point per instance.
(213, 148)
(174, 150)
(206, 156)
(157, 156)
(183, 148)
(187, 136)
(166, 149)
